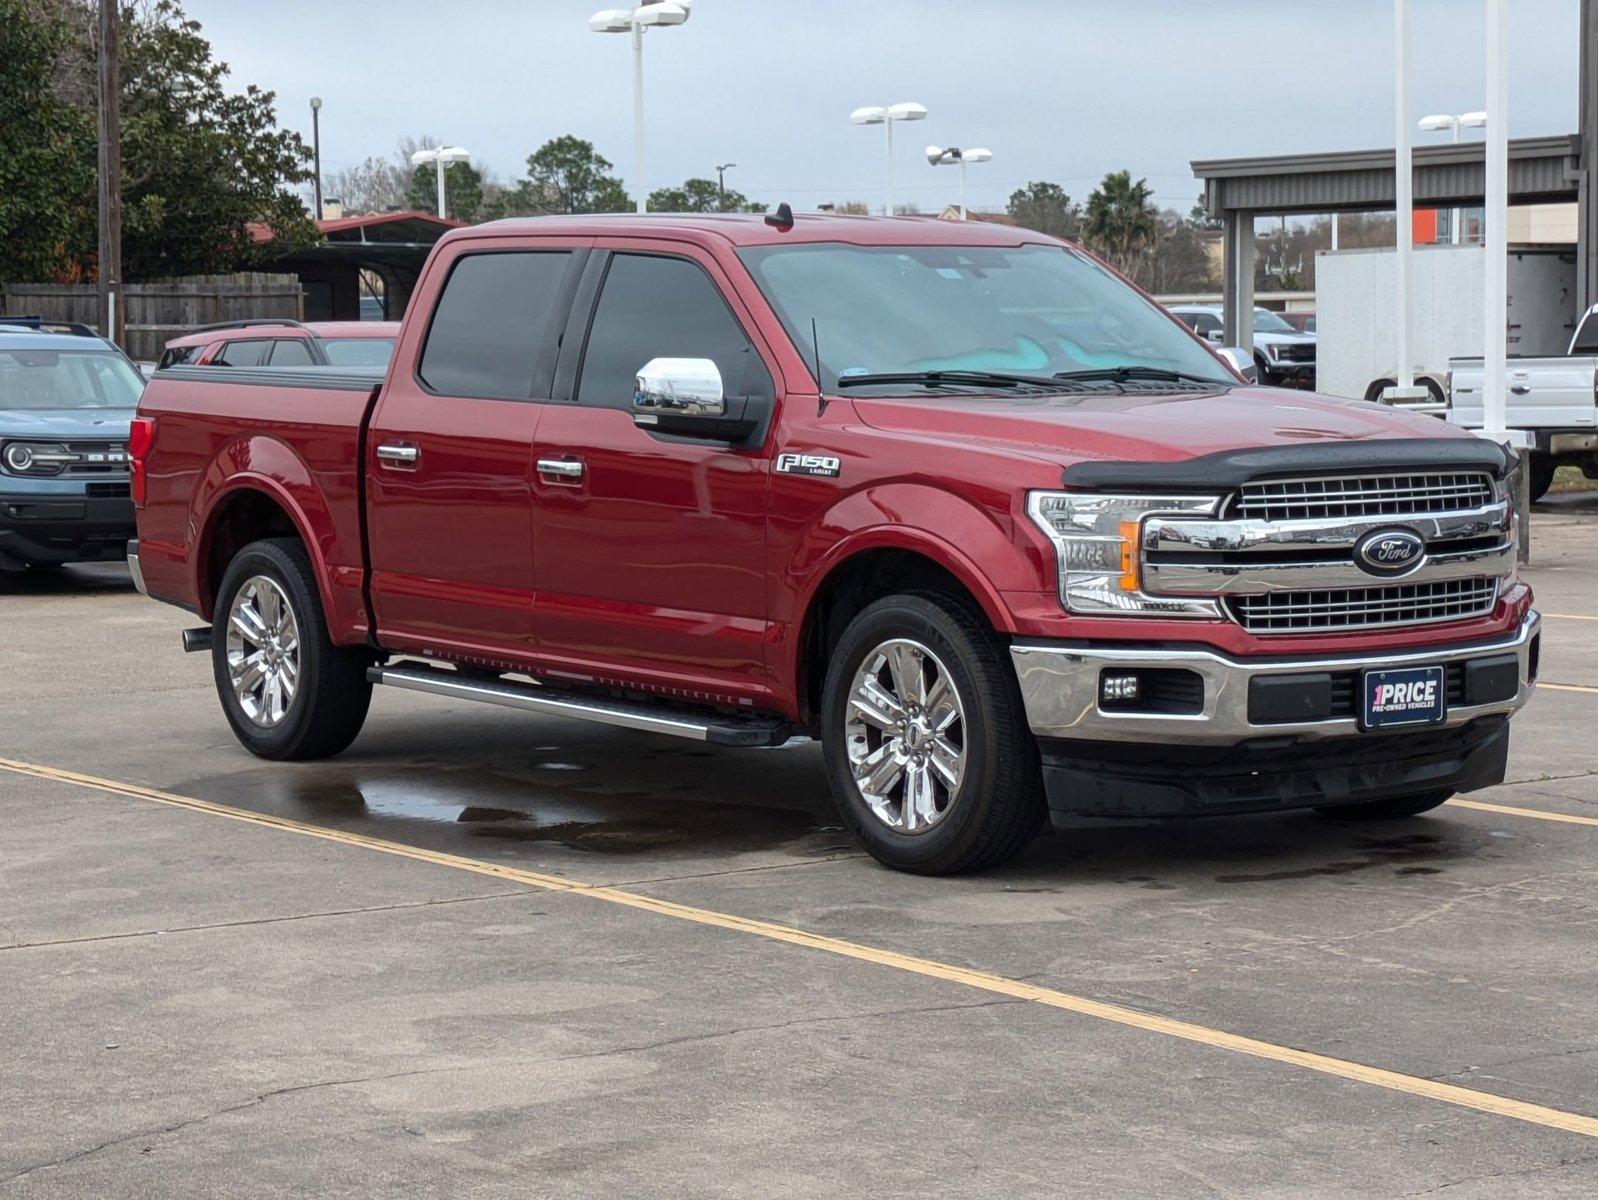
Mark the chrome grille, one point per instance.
(1364, 496)
(1365, 607)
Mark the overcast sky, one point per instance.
(1059, 89)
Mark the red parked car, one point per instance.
(265, 342)
(953, 497)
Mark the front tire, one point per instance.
(287, 690)
(1541, 477)
(1392, 809)
(925, 739)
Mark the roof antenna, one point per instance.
(782, 219)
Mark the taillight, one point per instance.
(141, 436)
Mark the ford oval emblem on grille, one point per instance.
(1389, 552)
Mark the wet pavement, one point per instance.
(195, 1005)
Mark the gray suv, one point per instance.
(66, 400)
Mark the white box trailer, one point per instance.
(1356, 313)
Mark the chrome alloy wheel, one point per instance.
(263, 651)
(905, 733)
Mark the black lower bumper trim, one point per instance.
(1096, 779)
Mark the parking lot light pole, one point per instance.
(649, 14)
(885, 116)
(441, 156)
(938, 156)
(316, 151)
(1438, 122)
(721, 184)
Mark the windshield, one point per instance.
(1265, 321)
(359, 352)
(1035, 310)
(46, 379)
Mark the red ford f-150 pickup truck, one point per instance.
(953, 497)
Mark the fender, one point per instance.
(940, 525)
(263, 464)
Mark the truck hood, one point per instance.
(66, 424)
(1146, 428)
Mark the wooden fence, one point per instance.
(157, 312)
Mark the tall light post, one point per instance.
(938, 156)
(1438, 122)
(721, 184)
(440, 157)
(886, 116)
(649, 14)
(316, 151)
(1404, 390)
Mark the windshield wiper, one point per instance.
(950, 379)
(1112, 374)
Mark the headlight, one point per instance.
(36, 458)
(1273, 351)
(1098, 545)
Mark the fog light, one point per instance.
(1117, 689)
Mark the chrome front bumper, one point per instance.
(1060, 688)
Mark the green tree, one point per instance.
(1177, 262)
(200, 164)
(463, 190)
(700, 195)
(45, 180)
(1120, 221)
(1045, 208)
(565, 175)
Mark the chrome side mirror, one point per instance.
(678, 388)
(1241, 361)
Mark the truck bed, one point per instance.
(291, 432)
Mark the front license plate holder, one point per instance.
(1406, 696)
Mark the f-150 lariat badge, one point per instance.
(824, 465)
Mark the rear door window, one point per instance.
(250, 352)
(291, 352)
(489, 326)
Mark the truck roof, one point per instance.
(751, 229)
(331, 330)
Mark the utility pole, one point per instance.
(721, 184)
(113, 318)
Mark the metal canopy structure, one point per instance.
(1236, 190)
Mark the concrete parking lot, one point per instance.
(483, 954)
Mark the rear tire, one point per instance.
(287, 690)
(950, 765)
(1392, 809)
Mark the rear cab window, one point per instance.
(292, 352)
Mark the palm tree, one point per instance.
(1120, 221)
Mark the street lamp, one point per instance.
(634, 21)
(940, 157)
(440, 157)
(316, 151)
(878, 115)
(1438, 122)
(721, 184)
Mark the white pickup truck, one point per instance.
(1555, 398)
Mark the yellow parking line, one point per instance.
(1568, 687)
(1414, 1085)
(1536, 814)
(1570, 616)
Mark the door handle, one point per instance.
(1521, 389)
(398, 455)
(563, 470)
